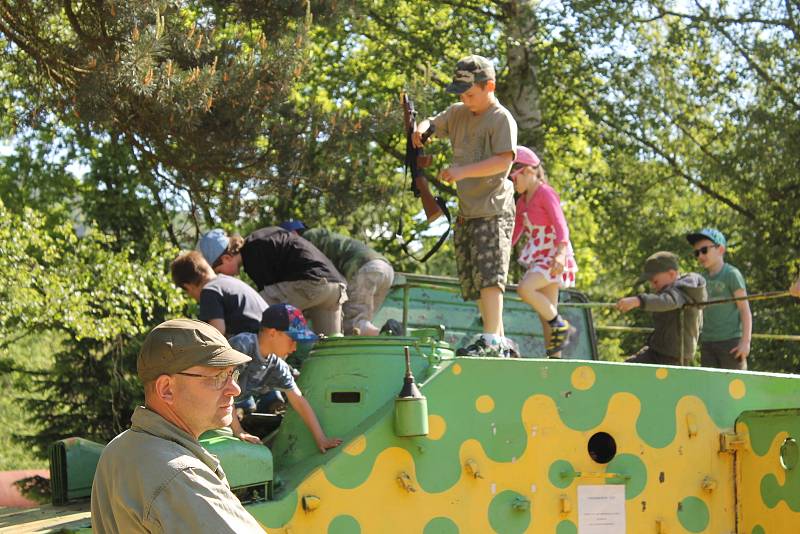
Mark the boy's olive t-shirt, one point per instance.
(722, 321)
(475, 138)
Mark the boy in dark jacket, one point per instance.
(671, 291)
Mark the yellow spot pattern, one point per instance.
(753, 469)
(484, 404)
(583, 377)
(661, 373)
(737, 389)
(357, 446)
(456, 369)
(381, 503)
(436, 427)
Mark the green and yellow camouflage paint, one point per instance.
(698, 450)
(512, 443)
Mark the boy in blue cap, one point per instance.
(727, 328)
(483, 135)
(282, 326)
(285, 268)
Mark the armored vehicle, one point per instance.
(503, 445)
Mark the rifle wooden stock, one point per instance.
(429, 204)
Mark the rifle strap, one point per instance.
(404, 245)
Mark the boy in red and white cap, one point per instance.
(282, 326)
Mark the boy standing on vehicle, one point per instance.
(282, 326)
(483, 135)
(671, 291)
(725, 337)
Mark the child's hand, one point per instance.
(250, 438)
(416, 139)
(627, 304)
(326, 443)
(742, 350)
(557, 264)
(450, 174)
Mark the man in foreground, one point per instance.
(156, 477)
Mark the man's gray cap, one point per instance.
(177, 344)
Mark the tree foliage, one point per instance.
(653, 118)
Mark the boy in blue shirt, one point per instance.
(727, 328)
(282, 326)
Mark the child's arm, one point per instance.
(487, 167)
(306, 412)
(552, 206)
(416, 137)
(626, 304)
(669, 299)
(742, 350)
(219, 324)
(239, 432)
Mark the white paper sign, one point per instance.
(601, 509)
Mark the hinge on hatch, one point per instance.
(731, 441)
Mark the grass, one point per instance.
(34, 353)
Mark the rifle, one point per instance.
(415, 161)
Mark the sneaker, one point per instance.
(560, 337)
(392, 327)
(509, 349)
(478, 348)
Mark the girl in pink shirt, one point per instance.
(547, 255)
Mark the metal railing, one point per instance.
(445, 283)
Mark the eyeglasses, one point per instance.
(219, 380)
(703, 250)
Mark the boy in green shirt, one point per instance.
(483, 135)
(727, 328)
(369, 275)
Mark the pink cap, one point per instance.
(526, 156)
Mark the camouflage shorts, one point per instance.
(483, 250)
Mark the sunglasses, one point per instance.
(703, 250)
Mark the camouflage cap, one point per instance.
(177, 344)
(660, 262)
(470, 70)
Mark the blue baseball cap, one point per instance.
(292, 225)
(212, 244)
(712, 234)
(287, 318)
